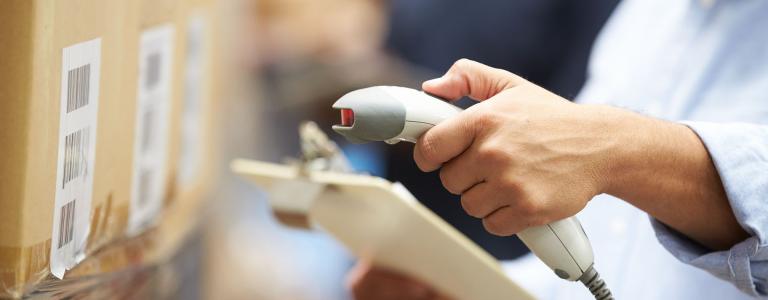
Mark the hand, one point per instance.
(526, 157)
(367, 282)
(523, 156)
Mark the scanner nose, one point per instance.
(347, 117)
(369, 115)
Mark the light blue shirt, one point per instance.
(703, 63)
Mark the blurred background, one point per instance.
(296, 57)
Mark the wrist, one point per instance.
(648, 153)
(637, 149)
(614, 146)
(664, 169)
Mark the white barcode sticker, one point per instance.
(80, 65)
(192, 118)
(150, 150)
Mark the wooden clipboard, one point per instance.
(380, 220)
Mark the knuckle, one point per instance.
(528, 207)
(485, 119)
(513, 186)
(446, 179)
(469, 206)
(464, 66)
(427, 150)
(491, 153)
(533, 207)
(463, 63)
(508, 182)
(484, 116)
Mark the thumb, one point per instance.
(473, 79)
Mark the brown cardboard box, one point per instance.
(33, 36)
(152, 57)
(188, 168)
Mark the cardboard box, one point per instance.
(45, 49)
(151, 61)
(187, 173)
(62, 184)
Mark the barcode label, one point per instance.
(78, 88)
(78, 120)
(75, 153)
(67, 224)
(195, 95)
(152, 127)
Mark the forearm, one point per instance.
(664, 169)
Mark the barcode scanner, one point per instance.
(393, 114)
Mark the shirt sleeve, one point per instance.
(740, 154)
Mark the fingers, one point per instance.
(444, 141)
(461, 173)
(501, 222)
(473, 79)
(451, 137)
(481, 200)
(367, 282)
(515, 216)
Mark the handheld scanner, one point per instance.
(392, 114)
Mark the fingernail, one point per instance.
(433, 82)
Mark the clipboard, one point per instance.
(381, 221)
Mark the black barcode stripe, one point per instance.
(85, 146)
(61, 221)
(66, 223)
(145, 179)
(147, 123)
(78, 87)
(75, 153)
(66, 162)
(153, 70)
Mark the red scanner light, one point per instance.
(347, 117)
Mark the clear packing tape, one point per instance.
(24, 271)
(21, 266)
(137, 268)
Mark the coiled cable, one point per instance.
(591, 279)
